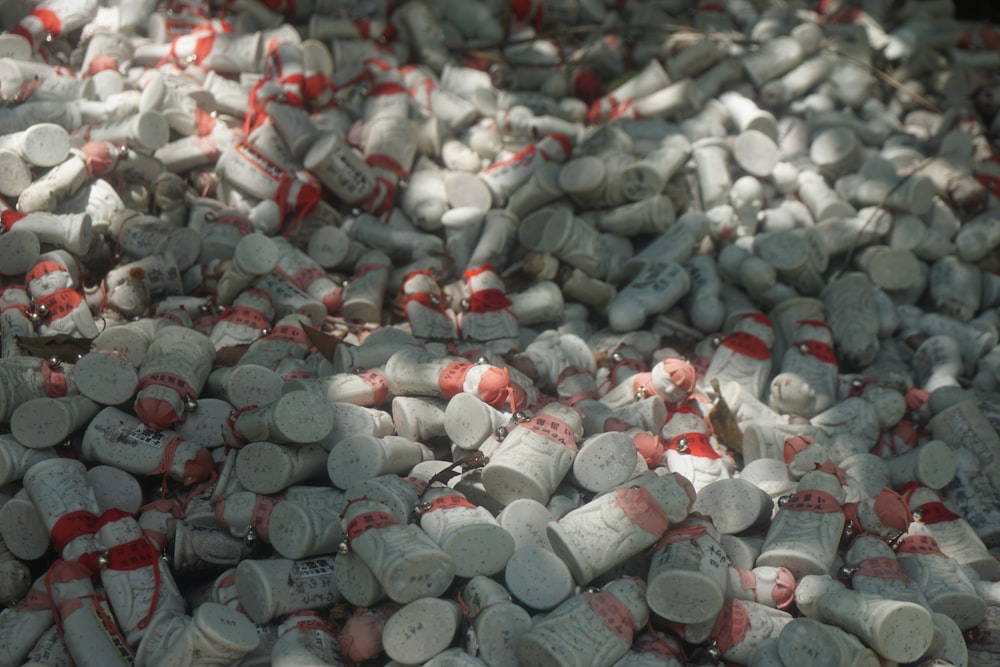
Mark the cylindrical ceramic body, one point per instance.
(277, 586)
(115, 437)
(406, 561)
(615, 526)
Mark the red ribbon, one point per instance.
(169, 380)
(812, 501)
(59, 303)
(698, 444)
(246, 316)
(613, 612)
(552, 428)
(919, 545)
(9, 218)
(881, 567)
(747, 344)
(820, 350)
(71, 526)
(50, 21)
(363, 522)
(931, 513)
(447, 502)
(54, 380)
(488, 301)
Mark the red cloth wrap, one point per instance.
(43, 267)
(21, 308)
(682, 534)
(288, 334)
(447, 502)
(60, 303)
(759, 317)
(650, 446)
(387, 163)
(170, 380)
(9, 218)
(495, 388)
(920, 545)
(427, 300)
(931, 513)
(731, 625)
(488, 301)
(70, 526)
(54, 380)
(303, 278)
(378, 384)
(794, 445)
(892, 510)
(642, 510)
(452, 378)
(616, 616)
(98, 157)
(247, 316)
(818, 349)
(698, 444)
(200, 468)
(363, 522)
(747, 344)
(812, 501)
(552, 428)
(50, 21)
(132, 555)
(881, 567)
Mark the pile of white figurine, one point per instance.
(475, 332)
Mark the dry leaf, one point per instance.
(724, 424)
(324, 342)
(63, 347)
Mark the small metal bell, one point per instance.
(190, 404)
(250, 539)
(343, 548)
(784, 499)
(521, 416)
(617, 357)
(847, 572)
(804, 348)
(917, 514)
(857, 383)
(481, 360)
(465, 304)
(682, 445)
(848, 529)
(42, 310)
(264, 332)
(422, 507)
(103, 561)
(54, 361)
(434, 299)
(640, 394)
(501, 432)
(716, 341)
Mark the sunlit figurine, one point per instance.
(591, 628)
(60, 308)
(806, 531)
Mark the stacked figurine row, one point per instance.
(341, 332)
